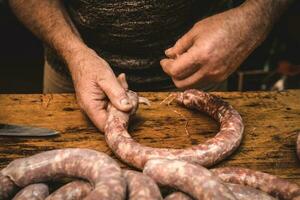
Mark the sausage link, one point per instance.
(270, 184)
(141, 187)
(192, 179)
(242, 192)
(7, 187)
(99, 169)
(33, 192)
(206, 154)
(178, 196)
(75, 190)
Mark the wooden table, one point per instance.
(269, 140)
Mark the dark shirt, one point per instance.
(131, 35)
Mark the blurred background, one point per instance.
(274, 65)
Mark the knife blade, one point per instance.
(25, 131)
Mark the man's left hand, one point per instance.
(215, 47)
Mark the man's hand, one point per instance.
(95, 84)
(216, 46)
(94, 81)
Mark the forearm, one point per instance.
(49, 21)
(260, 16)
(269, 10)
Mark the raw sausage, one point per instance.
(33, 192)
(192, 179)
(270, 184)
(242, 192)
(7, 187)
(75, 190)
(141, 187)
(177, 196)
(99, 169)
(207, 154)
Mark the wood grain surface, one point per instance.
(271, 119)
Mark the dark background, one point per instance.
(21, 56)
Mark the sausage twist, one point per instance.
(270, 184)
(33, 192)
(207, 154)
(99, 169)
(75, 190)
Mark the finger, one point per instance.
(197, 79)
(115, 92)
(97, 114)
(184, 66)
(181, 46)
(122, 81)
(166, 65)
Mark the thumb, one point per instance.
(115, 93)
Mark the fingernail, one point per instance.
(125, 102)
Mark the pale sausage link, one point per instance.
(99, 169)
(33, 192)
(192, 179)
(242, 192)
(75, 190)
(207, 154)
(7, 187)
(178, 196)
(270, 184)
(141, 187)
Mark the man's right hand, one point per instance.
(95, 84)
(94, 81)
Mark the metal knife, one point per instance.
(25, 131)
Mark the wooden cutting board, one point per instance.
(268, 145)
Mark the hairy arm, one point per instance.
(216, 46)
(49, 21)
(265, 13)
(272, 9)
(93, 79)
